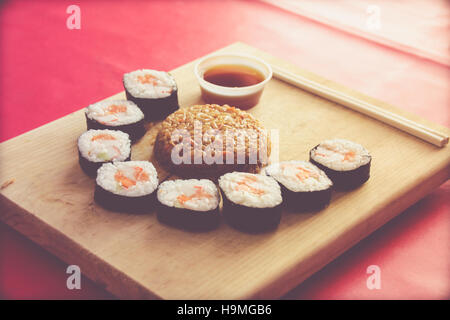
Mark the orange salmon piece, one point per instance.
(303, 174)
(320, 154)
(199, 193)
(148, 78)
(113, 109)
(350, 155)
(103, 136)
(140, 175)
(182, 198)
(124, 180)
(244, 185)
(251, 178)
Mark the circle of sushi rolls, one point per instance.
(154, 92)
(304, 186)
(120, 115)
(345, 162)
(251, 202)
(189, 204)
(126, 186)
(96, 147)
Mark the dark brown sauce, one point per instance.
(233, 76)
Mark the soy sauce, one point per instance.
(233, 76)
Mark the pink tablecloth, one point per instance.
(48, 71)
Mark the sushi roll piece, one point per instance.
(155, 92)
(304, 186)
(120, 115)
(345, 162)
(126, 186)
(96, 147)
(189, 204)
(251, 202)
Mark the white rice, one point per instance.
(162, 86)
(101, 112)
(107, 178)
(299, 176)
(101, 150)
(169, 193)
(341, 155)
(240, 188)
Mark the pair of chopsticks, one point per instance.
(392, 119)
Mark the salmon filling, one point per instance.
(114, 109)
(148, 79)
(340, 155)
(138, 175)
(198, 194)
(302, 173)
(347, 155)
(191, 194)
(103, 136)
(244, 185)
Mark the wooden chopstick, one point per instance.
(392, 119)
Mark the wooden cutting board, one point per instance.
(47, 197)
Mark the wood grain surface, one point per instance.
(46, 196)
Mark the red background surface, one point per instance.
(48, 71)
